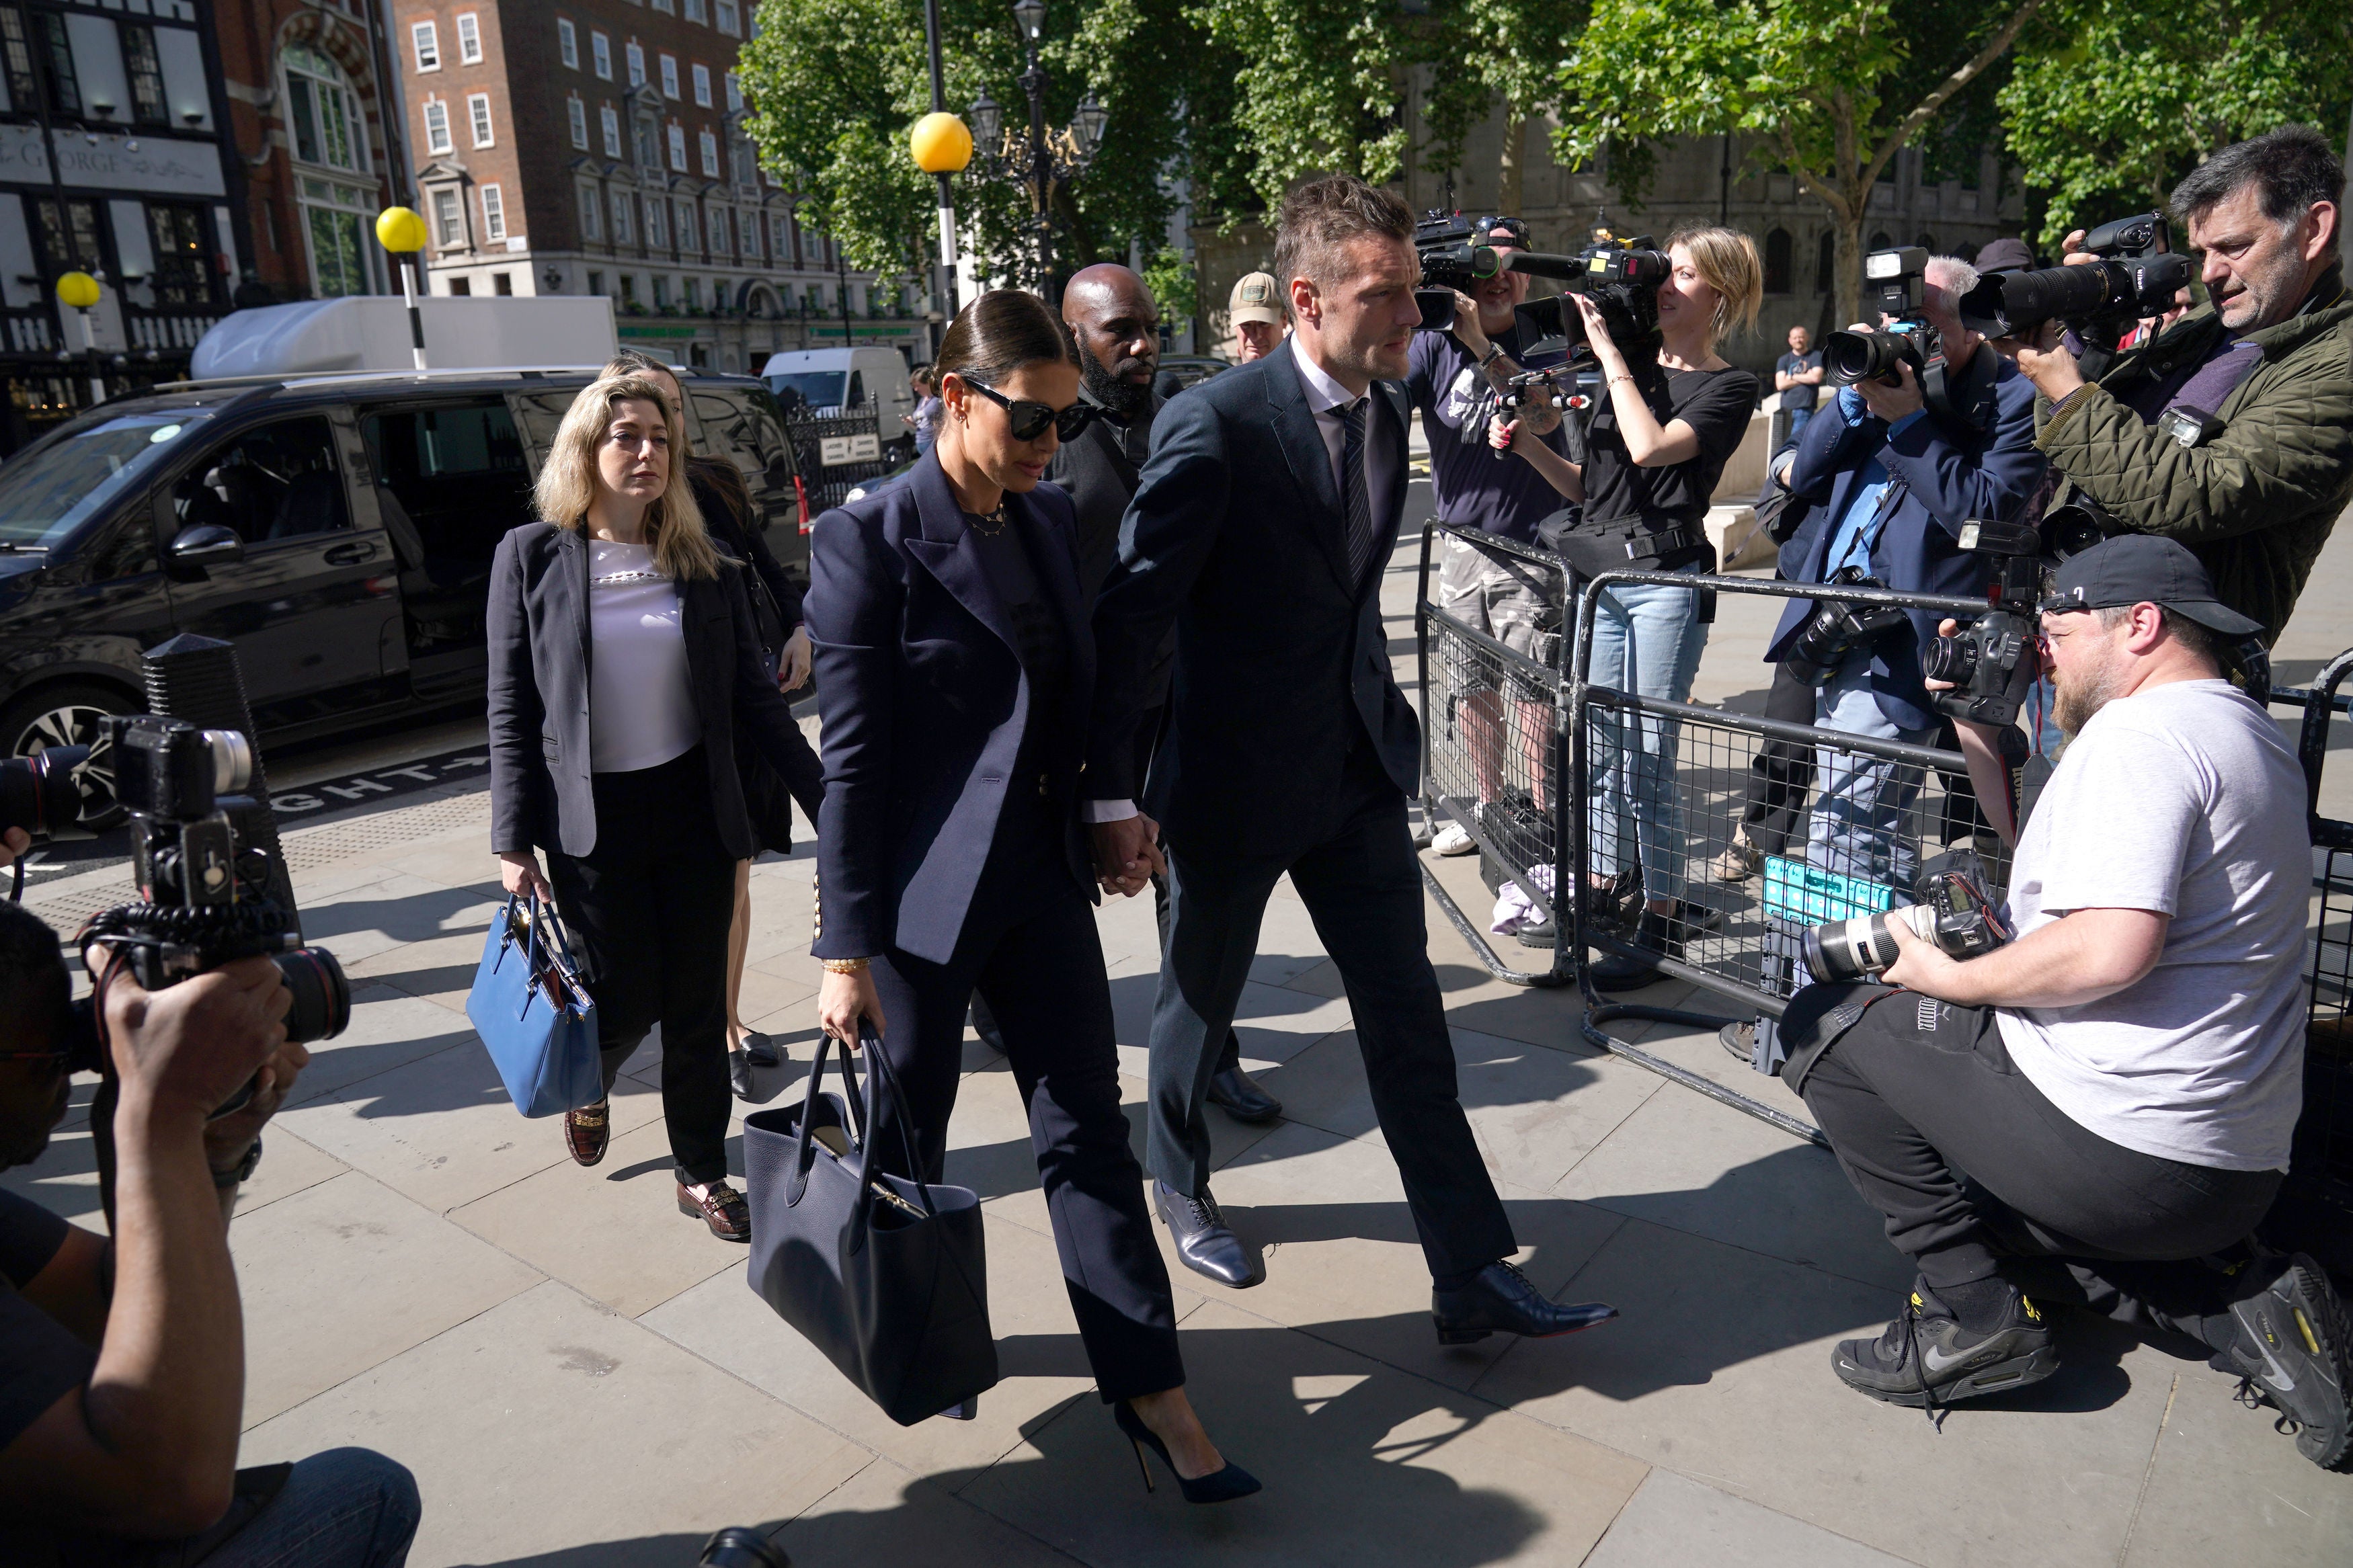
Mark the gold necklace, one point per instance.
(988, 525)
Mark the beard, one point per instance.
(2077, 701)
(1124, 399)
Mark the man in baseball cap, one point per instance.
(2121, 1078)
(1255, 310)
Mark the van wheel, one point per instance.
(72, 714)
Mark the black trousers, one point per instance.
(1029, 950)
(648, 909)
(1978, 1174)
(1781, 772)
(1363, 887)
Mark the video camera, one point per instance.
(1450, 264)
(2138, 275)
(1622, 276)
(1894, 285)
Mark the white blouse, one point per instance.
(640, 702)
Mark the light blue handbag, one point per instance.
(532, 1013)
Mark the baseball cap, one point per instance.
(2005, 255)
(2142, 568)
(1256, 298)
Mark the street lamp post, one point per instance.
(1048, 158)
(79, 291)
(402, 233)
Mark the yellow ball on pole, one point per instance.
(77, 290)
(399, 230)
(941, 144)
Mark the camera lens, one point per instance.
(41, 793)
(736, 1547)
(232, 760)
(1952, 659)
(1849, 950)
(322, 997)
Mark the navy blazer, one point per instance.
(540, 793)
(1237, 537)
(925, 705)
(1944, 472)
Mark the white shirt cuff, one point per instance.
(1109, 810)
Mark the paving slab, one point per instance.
(2223, 1487)
(546, 1429)
(1674, 1522)
(64, 1180)
(389, 1028)
(888, 1515)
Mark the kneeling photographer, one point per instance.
(2231, 430)
(2119, 1083)
(1925, 434)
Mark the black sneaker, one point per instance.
(2293, 1340)
(1926, 1359)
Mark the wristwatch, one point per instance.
(1494, 351)
(242, 1171)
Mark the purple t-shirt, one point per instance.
(1476, 486)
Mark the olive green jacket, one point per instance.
(2256, 502)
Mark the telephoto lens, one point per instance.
(736, 1547)
(1862, 947)
(42, 794)
(323, 997)
(1853, 357)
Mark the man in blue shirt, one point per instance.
(1895, 480)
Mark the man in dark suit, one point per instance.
(1114, 319)
(1269, 505)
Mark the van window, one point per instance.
(741, 425)
(279, 483)
(457, 480)
(856, 388)
(46, 495)
(815, 388)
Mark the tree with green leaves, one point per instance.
(2111, 104)
(1828, 90)
(1488, 55)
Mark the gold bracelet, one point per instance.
(845, 966)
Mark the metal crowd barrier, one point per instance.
(837, 452)
(2314, 1210)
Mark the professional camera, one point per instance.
(1954, 912)
(1837, 629)
(1450, 263)
(47, 793)
(1993, 661)
(1894, 282)
(2138, 275)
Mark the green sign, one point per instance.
(635, 331)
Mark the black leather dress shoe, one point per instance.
(1234, 1092)
(1204, 1244)
(1616, 972)
(1500, 1300)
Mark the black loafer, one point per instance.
(1234, 1092)
(1499, 1300)
(1204, 1244)
(759, 1051)
(739, 1074)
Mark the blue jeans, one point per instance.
(1859, 827)
(1646, 640)
(1798, 417)
(347, 1507)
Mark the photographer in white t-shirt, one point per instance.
(2120, 1083)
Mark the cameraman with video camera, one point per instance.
(122, 1360)
(2121, 1082)
(2231, 430)
(1897, 463)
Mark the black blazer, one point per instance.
(539, 646)
(925, 706)
(1237, 535)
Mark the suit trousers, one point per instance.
(650, 908)
(1362, 887)
(1030, 951)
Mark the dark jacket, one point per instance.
(1099, 471)
(540, 795)
(729, 532)
(924, 707)
(1944, 472)
(2255, 503)
(1237, 537)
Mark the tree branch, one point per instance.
(1925, 110)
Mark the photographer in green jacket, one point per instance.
(2232, 429)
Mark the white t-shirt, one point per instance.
(640, 702)
(2182, 800)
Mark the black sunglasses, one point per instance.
(1028, 420)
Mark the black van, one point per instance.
(337, 529)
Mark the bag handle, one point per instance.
(886, 1104)
(803, 1159)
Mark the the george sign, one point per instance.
(161, 166)
(631, 330)
(840, 451)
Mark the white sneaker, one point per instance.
(1453, 839)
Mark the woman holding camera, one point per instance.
(623, 658)
(1653, 453)
(954, 668)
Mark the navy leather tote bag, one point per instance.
(888, 1276)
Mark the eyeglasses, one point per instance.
(1028, 420)
(1511, 226)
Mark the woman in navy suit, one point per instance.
(954, 668)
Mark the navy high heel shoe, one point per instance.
(1221, 1486)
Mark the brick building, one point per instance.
(597, 146)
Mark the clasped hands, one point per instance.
(1127, 854)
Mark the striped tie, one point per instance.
(1354, 500)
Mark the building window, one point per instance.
(710, 157)
(1826, 263)
(728, 23)
(567, 44)
(469, 39)
(735, 92)
(595, 282)
(592, 220)
(629, 289)
(600, 56)
(184, 257)
(17, 49)
(666, 6)
(324, 116)
(477, 113)
(611, 118)
(622, 202)
(670, 75)
(656, 222)
(436, 127)
(577, 112)
(338, 220)
(780, 239)
(494, 214)
(448, 220)
(678, 148)
(694, 13)
(637, 58)
(748, 226)
(146, 68)
(1777, 261)
(703, 86)
(661, 293)
(690, 233)
(648, 144)
(721, 244)
(460, 288)
(501, 282)
(428, 45)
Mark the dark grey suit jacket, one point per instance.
(1236, 536)
(1100, 471)
(540, 795)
